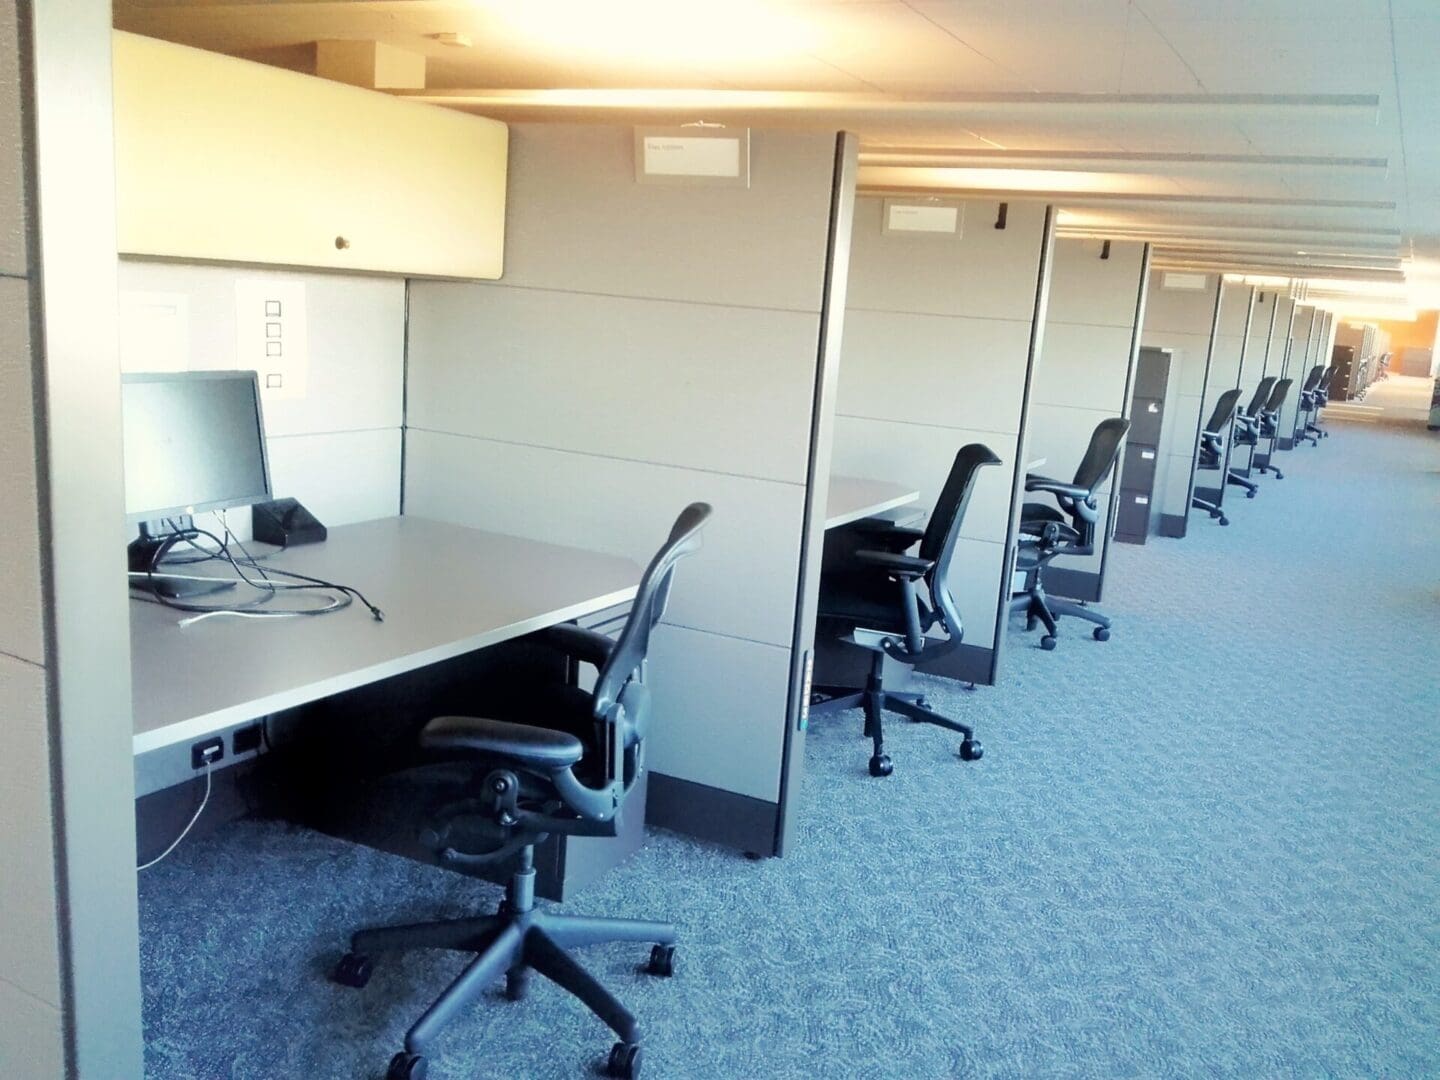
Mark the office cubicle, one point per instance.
(651, 345)
(941, 333)
(1182, 316)
(1304, 328)
(1227, 357)
(1083, 376)
(1277, 363)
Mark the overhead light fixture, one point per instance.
(459, 41)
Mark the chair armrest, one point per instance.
(902, 566)
(537, 747)
(587, 646)
(888, 529)
(1034, 482)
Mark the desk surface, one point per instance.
(445, 591)
(852, 498)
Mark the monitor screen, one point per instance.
(194, 441)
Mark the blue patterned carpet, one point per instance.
(1208, 847)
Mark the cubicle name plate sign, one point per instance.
(705, 156)
(922, 218)
(1191, 282)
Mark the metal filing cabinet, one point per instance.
(1142, 447)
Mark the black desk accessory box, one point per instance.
(285, 523)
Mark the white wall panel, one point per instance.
(341, 477)
(693, 675)
(578, 221)
(654, 378)
(32, 1039)
(12, 172)
(742, 584)
(973, 273)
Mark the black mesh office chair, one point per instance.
(1270, 424)
(569, 770)
(1308, 406)
(1247, 433)
(1211, 452)
(1320, 399)
(1046, 533)
(876, 596)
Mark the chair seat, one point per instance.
(1040, 512)
(871, 600)
(539, 746)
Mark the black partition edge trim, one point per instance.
(708, 813)
(1204, 390)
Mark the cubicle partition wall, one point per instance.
(1227, 355)
(69, 956)
(651, 345)
(1303, 330)
(1083, 376)
(1256, 357)
(1277, 357)
(940, 337)
(1182, 316)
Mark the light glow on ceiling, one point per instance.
(1011, 180)
(657, 32)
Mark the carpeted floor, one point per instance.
(1208, 847)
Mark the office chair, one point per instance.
(569, 771)
(1270, 424)
(1047, 534)
(1247, 433)
(1211, 454)
(877, 595)
(1308, 406)
(1320, 399)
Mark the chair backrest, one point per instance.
(1277, 395)
(1224, 412)
(1100, 455)
(943, 529)
(1262, 394)
(1327, 377)
(1313, 379)
(628, 656)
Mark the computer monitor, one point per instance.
(194, 441)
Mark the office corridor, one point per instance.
(1164, 865)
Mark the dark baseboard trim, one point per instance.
(1209, 494)
(969, 663)
(1173, 525)
(1287, 444)
(235, 792)
(1259, 461)
(1074, 584)
(722, 817)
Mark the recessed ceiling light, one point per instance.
(1302, 253)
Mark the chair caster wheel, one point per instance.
(1100, 633)
(624, 1063)
(353, 970)
(517, 984)
(1224, 521)
(880, 765)
(405, 1066)
(662, 961)
(971, 750)
(1249, 494)
(1047, 643)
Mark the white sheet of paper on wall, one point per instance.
(154, 331)
(271, 335)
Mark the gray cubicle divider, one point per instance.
(1277, 356)
(1255, 360)
(651, 345)
(1182, 316)
(1227, 355)
(69, 953)
(1092, 339)
(940, 336)
(1303, 329)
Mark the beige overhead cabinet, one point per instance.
(227, 160)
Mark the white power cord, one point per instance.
(185, 831)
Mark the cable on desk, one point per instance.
(190, 825)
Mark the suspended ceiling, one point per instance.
(1284, 136)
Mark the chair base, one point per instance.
(877, 701)
(1233, 477)
(1210, 508)
(517, 940)
(1038, 606)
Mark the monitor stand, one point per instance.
(143, 553)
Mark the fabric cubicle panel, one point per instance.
(937, 353)
(1255, 357)
(1183, 321)
(1083, 376)
(1303, 330)
(648, 346)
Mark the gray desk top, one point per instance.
(445, 590)
(852, 498)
